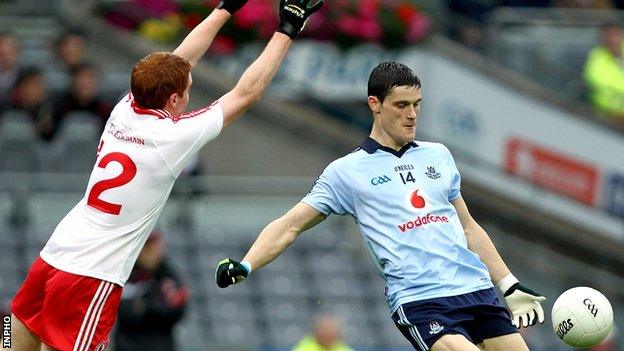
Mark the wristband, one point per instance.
(504, 284)
(247, 266)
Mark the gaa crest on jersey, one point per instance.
(380, 180)
(431, 173)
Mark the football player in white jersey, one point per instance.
(70, 296)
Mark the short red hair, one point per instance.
(156, 76)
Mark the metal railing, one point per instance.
(550, 45)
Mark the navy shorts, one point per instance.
(477, 316)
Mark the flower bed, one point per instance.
(389, 23)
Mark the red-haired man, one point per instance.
(69, 299)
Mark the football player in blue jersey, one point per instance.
(440, 266)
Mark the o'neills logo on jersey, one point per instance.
(422, 221)
(120, 135)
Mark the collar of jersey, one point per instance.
(370, 145)
(160, 113)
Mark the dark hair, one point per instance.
(7, 34)
(68, 33)
(83, 66)
(26, 73)
(157, 76)
(388, 75)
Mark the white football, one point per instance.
(582, 317)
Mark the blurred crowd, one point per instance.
(47, 93)
(393, 24)
(36, 91)
(603, 73)
(478, 9)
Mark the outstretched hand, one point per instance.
(231, 6)
(525, 305)
(230, 272)
(293, 15)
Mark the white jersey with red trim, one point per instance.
(141, 154)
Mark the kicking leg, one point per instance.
(509, 342)
(454, 342)
(22, 338)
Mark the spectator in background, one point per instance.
(604, 74)
(9, 54)
(83, 95)
(152, 302)
(30, 94)
(71, 49)
(526, 3)
(326, 336)
(584, 4)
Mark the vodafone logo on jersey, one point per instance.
(417, 201)
(422, 221)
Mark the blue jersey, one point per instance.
(401, 201)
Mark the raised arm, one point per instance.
(256, 78)
(293, 15)
(194, 46)
(271, 242)
(524, 303)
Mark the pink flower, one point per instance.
(223, 45)
(157, 8)
(406, 13)
(369, 9)
(370, 30)
(254, 12)
(267, 28)
(418, 28)
(348, 25)
(191, 21)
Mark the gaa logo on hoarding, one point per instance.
(460, 119)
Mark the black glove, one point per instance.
(231, 6)
(230, 272)
(293, 15)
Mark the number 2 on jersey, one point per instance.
(128, 172)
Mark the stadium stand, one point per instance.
(209, 218)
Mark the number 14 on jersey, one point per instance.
(407, 177)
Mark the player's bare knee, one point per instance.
(453, 342)
(510, 342)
